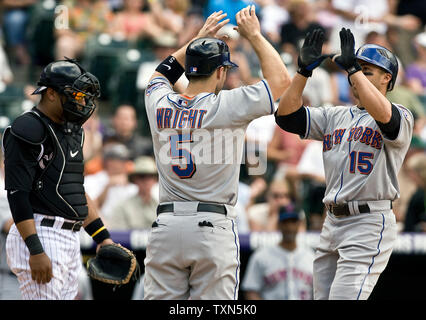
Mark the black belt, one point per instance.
(73, 226)
(202, 207)
(343, 209)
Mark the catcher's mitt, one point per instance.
(113, 264)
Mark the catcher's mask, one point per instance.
(79, 87)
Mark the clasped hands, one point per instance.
(311, 56)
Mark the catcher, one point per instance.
(44, 182)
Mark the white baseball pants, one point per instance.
(352, 253)
(188, 261)
(63, 249)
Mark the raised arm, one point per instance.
(310, 57)
(371, 98)
(212, 25)
(273, 68)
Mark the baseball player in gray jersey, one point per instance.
(282, 271)
(193, 249)
(363, 150)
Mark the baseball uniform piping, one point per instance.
(238, 261)
(341, 185)
(270, 98)
(309, 123)
(372, 260)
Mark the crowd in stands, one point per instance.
(122, 42)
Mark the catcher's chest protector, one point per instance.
(60, 183)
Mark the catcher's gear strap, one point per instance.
(29, 128)
(391, 129)
(113, 264)
(294, 122)
(97, 230)
(171, 69)
(20, 205)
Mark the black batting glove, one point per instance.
(347, 59)
(310, 54)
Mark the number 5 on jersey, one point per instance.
(177, 152)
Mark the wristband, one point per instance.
(97, 230)
(171, 69)
(33, 244)
(355, 68)
(304, 72)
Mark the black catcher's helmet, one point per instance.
(205, 55)
(69, 78)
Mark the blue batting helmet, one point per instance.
(380, 57)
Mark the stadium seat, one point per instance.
(101, 57)
(40, 32)
(123, 85)
(12, 101)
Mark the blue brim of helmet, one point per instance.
(373, 62)
(230, 64)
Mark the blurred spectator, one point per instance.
(318, 90)
(378, 38)
(6, 75)
(416, 72)
(264, 216)
(310, 173)
(15, 21)
(259, 133)
(9, 285)
(92, 148)
(301, 22)
(192, 23)
(140, 210)
(341, 91)
(86, 18)
(231, 7)
(170, 14)
(132, 23)
(273, 15)
(124, 125)
(163, 47)
(402, 94)
(283, 271)
(116, 5)
(285, 149)
(246, 197)
(363, 16)
(415, 217)
(111, 185)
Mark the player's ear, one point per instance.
(51, 94)
(220, 72)
(386, 79)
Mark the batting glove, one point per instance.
(347, 59)
(310, 54)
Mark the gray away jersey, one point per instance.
(279, 274)
(360, 162)
(198, 142)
